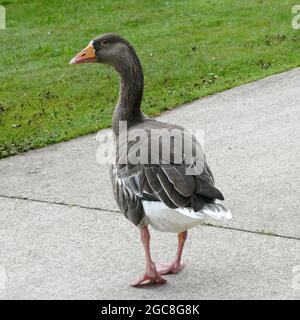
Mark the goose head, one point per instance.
(108, 48)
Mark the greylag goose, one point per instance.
(158, 191)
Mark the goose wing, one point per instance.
(167, 180)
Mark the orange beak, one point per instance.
(87, 55)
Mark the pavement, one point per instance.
(62, 237)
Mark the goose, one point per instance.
(168, 195)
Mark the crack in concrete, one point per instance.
(270, 234)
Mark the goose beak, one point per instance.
(87, 55)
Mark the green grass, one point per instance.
(189, 49)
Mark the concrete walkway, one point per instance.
(62, 239)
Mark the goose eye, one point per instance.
(104, 42)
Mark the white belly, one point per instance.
(162, 218)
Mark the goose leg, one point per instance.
(151, 273)
(176, 265)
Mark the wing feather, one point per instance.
(177, 198)
(183, 183)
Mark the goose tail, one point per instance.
(216, 211)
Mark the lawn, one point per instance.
(189, 49)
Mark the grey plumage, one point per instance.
(167, 183)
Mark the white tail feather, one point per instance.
(161, 217)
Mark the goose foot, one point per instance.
(151, 276)
(172, 267)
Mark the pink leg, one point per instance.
(176, 265)
(151, 273)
